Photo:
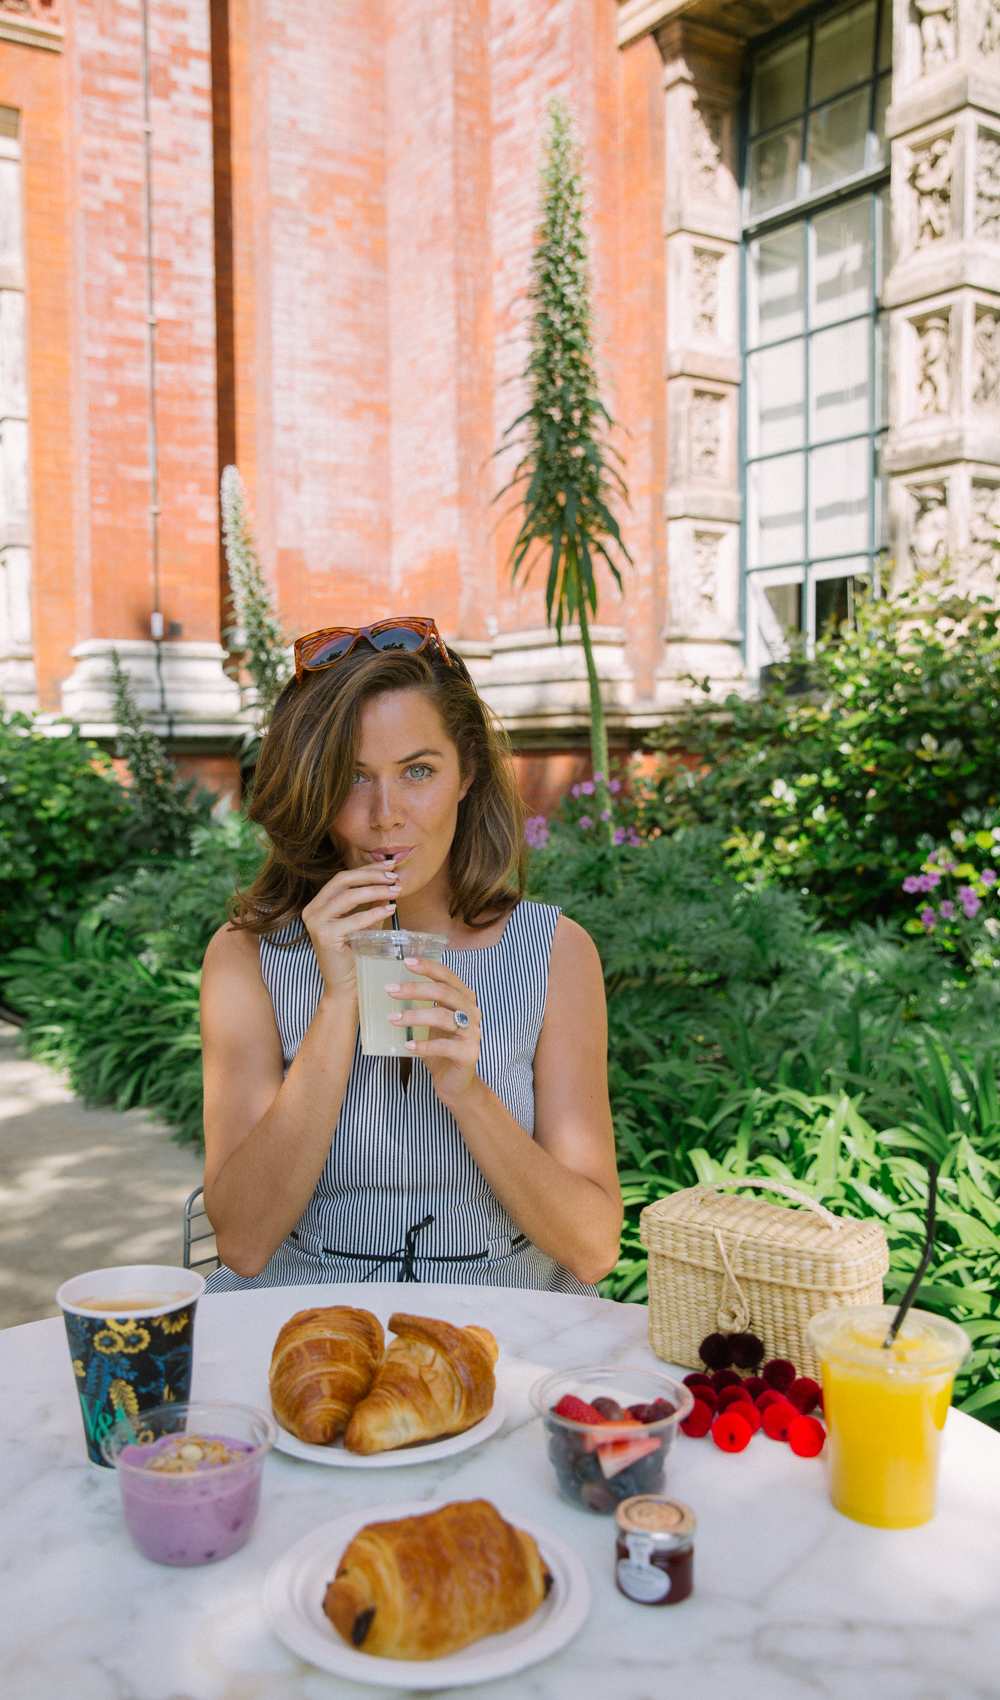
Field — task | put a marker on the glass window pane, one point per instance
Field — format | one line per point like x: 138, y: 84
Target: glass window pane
x: 840, y: 486
x: 779, y: 84
x: 881, y: 497
x: 838, y: 136
x: 776, y: 612
x: 842, y: 263
x: 776, y: 399
x: 879, y: 146
x: 885, y: 36
x: 776, y: 279
x: 774, y: 168
x: 835, y: 598
x: 776, y: 490
x: 844, y: 51
x: 839, y: 381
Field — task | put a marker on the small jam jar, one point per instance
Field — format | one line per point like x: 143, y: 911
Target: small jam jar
x: 654, y: 1549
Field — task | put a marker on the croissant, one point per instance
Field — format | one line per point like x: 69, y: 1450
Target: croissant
x: 434, y: 1380
x: 425, y: 1586
x: 323, y: 1362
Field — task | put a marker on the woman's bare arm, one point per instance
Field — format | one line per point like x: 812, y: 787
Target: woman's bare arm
x: 562, y: 1186
x: 266, y: 1138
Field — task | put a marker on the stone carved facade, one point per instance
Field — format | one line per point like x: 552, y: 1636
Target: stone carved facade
x: 933, y: 365
x: 988, y: 186
x: 38, y: 11
x: 930, y: 175
x: 989, y: 30
x: 984, y: 529
x: 929, y: 528
x: 705, y: 576
x: 936, y: 21
x: 986, y: 360
x: 706, y: 264
x: 706, y: 434
x: 706, y: 145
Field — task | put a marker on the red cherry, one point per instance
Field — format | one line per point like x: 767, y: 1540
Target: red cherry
x: 770, y: 1396
x: 731, y: 1431
x: 779, y: 1373
x: 733, y: 1396
x: 726, y: 1378
x: 806, y: 1437
x: 698, y: 1420
x: 804, y: 1394
x: 755, y: 1384
x: 778, y: 1418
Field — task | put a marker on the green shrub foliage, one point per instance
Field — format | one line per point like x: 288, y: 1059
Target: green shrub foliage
x: 830, y: 778
x: 63, y: 815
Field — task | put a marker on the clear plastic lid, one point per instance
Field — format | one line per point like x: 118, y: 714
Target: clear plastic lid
x: 925, y: 1345
x: 397, y: 944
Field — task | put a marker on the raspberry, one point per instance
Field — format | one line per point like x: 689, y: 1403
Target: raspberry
x: 714, y: 1351
x: 731, y: 1431
x: 806, y: 1437
x: 726, y: 1378
x: 698, y: 1420
x: 778, y: 1419
x: 576, y: 1410
x: 779, y: 1373
x: 755, y: 1384
x: 733, y: 1396
x: 804, y: 1394
x: 746, y: 1351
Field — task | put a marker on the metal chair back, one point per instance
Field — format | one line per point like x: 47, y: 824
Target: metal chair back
x: 197, y: 1230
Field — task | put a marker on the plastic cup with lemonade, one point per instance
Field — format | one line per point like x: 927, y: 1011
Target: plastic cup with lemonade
x: 885, y: 1409
x: 379, y: 961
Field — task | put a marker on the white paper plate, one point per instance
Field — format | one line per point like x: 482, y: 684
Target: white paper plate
x: 423, y: 1453
x: 296, y: 1584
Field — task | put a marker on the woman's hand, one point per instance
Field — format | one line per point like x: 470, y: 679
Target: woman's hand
x: 451, y: 1052
x: 354, y: 899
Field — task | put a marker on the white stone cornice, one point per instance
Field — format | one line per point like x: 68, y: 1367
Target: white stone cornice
x: 183, y: 692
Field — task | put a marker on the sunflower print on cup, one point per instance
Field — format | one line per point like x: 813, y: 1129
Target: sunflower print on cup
x: 123, y: 1366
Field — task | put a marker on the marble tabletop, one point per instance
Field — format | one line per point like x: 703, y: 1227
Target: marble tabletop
x: 791, y: 1601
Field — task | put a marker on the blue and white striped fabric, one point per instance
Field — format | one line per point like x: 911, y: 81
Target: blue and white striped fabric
x: 400, y: 1197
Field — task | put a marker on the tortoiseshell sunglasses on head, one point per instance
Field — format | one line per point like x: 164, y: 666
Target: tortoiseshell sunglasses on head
x: 317, y: 650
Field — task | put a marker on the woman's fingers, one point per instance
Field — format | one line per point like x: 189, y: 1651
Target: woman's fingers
x: 443, y: 1017
x: 449, y: 997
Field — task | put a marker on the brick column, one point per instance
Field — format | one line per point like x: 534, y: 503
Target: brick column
x: 17, y: 665
x: 702, y: 228
x: 943, y: 452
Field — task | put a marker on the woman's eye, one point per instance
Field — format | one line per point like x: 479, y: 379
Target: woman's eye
x: 359, y: 779
x: 419, y: 770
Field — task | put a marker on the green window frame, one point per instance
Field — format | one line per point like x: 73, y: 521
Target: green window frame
x: 813, y: 413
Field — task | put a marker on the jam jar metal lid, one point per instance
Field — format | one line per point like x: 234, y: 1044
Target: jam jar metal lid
x: 668, y: 1521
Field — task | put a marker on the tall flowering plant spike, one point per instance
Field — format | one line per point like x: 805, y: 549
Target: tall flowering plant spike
x: 565, y: 479
x: 258, y: 631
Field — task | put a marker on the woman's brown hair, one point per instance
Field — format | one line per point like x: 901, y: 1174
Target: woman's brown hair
x: 305, y: 771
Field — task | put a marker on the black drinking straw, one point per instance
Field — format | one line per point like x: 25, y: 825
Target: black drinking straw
x: 921, y: 1270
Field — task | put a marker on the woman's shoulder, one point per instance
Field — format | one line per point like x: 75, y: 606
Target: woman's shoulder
x: 233, y: 947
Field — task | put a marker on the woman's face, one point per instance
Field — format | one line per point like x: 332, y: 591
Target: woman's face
x: 406, y: 789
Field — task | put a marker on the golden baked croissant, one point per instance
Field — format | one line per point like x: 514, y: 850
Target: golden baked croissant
x: 424, y: 1586
x: 435, y: 1380
x: 323, y: 1362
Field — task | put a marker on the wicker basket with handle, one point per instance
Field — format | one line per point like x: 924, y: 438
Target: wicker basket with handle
x: 722, y: 1263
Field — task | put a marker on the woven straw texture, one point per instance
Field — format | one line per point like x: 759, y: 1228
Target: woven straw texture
x: 719, y: 1262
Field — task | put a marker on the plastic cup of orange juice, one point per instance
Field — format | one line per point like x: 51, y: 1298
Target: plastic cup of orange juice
x: 885, y: 1410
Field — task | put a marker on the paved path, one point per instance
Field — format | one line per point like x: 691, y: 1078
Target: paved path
x: 79, y: 1189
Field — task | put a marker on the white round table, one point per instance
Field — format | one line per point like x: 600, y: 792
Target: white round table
x: 791, y: 1601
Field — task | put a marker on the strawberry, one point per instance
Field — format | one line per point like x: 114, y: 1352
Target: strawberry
x: 619, y: 1454
x: 608, y: 1433
x: 576, y: 1410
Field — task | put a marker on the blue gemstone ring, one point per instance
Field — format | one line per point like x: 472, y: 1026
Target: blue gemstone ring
x: 461, y: 1019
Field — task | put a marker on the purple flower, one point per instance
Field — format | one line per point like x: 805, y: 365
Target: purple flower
x: 633, y: 837
x: 598, y: 778
x: 948, y: 867
x: 927, y: 918
x: 619, y: 835
x: 614, y: 786
x: 605, y: 814
x: 947, y: 909
x: 585, y: 822
x: 912, y: 883
x: 574, y: 790
x: 988, y: 876
x: 931, y: 879
x: 970, y: 903
x: 536, y: 831
x: 587, y: 788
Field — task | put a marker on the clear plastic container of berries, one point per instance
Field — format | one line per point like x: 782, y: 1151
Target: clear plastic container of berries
x: 608, y: 1431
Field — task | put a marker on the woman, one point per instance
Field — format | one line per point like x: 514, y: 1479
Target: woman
x: 387, y: 796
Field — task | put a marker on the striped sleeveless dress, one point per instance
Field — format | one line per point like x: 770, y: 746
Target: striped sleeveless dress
x: 400, y: 1197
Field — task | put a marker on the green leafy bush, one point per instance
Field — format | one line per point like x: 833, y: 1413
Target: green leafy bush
x: 63, y: 816
x: 829, y: 779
